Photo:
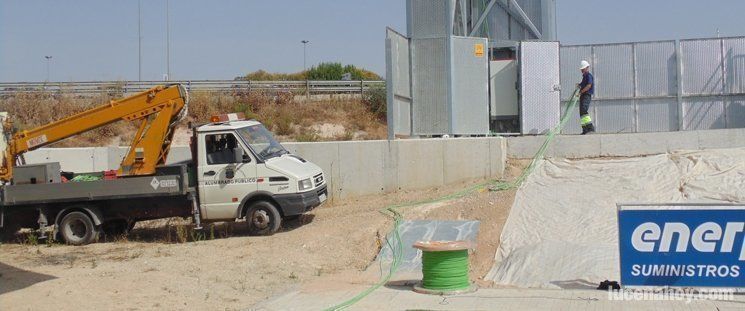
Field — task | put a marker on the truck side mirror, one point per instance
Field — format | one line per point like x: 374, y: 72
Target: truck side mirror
x: 238, y: 154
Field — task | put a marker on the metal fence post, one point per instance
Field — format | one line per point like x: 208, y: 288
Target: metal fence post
x: 679, y: 78
x: 636, y: 93
x: 724, y: 83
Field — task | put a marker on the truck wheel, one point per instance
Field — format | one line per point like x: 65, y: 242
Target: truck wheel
x: 263, y: 218
x: 77, y: 228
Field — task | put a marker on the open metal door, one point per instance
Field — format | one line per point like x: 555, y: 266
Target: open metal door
x: 540, y: 84
x: 398, y: 84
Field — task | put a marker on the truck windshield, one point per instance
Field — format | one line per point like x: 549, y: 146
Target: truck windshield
x: 261, y: 141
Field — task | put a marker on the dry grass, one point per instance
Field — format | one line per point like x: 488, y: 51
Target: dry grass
x: 288, y: 118
x: 29, y: 110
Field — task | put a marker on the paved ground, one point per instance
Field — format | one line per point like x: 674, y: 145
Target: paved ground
x: 402, y: 298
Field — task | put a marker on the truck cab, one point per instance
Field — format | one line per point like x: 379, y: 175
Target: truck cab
x: 242, y: 171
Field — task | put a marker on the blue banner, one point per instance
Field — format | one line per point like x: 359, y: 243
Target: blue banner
x: 692, y: 246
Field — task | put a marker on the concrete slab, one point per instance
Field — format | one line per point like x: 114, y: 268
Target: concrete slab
x: 625, y: 145
x: 420, y: 163
x: 401, y: 297
x: 179, y: 154
x: 497, y: 156
x: 390, y: 167
x: 640, y: 144
x: 466, y: 158
x: 353, y: 168
x: 524, y: 147
x: 70, y: 159
x: 575, y: 146
x: 325, y: 155
x: 718, y: 139
x: 361, y: 168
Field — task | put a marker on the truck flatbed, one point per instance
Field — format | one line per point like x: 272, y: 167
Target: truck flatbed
x: 168, y: 181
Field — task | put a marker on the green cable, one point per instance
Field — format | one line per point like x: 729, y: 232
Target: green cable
x: 445, y: 271
x: 395, y: 243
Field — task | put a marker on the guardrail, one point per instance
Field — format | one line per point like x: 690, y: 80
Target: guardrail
x: 93, y: 87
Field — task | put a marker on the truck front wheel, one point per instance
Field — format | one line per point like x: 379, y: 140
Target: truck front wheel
x: 77, y: 228
x: 263, y: 218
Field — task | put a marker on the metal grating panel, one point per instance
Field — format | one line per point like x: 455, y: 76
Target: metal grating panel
x: 572, y: 126
x: 399, y: 95
x: 571, y: 56
x: 734, y: 65
x: 470, y: 113
x: 613, y: 71
x: 498, y: 24
x: 428, y: 19
x: 539, y: 80
x: 402, y: 81
x: 703, y: 113
x: 657, y: 115
x: 532, y: 8
x: 702, y: 66
x: 517, y: 31
x: 429, y: 86
x: 656, y: 69
x: 614, y: 116
x: 736, y: 112
x: 403, y: 116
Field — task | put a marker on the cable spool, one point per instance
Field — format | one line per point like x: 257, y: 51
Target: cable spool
x: 444, y: 268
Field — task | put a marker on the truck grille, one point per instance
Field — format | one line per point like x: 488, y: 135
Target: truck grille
x: 318, y: 180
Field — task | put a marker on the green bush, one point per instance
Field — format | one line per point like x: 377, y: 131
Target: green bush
x: 335, y: 71
x: 324, y: 71
x: 375, y: 100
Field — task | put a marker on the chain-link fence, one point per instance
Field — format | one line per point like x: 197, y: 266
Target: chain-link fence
x: 661, y: 86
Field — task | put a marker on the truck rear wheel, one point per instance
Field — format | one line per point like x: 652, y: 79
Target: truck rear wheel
x: 263, y: 218
x: 77, y: 228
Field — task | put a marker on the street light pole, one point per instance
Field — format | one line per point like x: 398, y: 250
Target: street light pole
x: 168, y: 41
x: 139, y: 40
x: 305, y: 70
x: 49, y: 60
x: 305, y: 44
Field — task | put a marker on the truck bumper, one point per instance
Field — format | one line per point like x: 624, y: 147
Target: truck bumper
x: 299, y: 203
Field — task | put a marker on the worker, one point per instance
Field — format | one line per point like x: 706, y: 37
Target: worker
x: 586, y: 90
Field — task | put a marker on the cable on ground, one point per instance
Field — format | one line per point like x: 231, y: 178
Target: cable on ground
x: 395, y: 243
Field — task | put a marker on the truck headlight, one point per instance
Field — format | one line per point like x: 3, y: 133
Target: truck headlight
x: 305, y: 184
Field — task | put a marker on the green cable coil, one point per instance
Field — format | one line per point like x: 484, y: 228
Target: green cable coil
x: 446, y: 270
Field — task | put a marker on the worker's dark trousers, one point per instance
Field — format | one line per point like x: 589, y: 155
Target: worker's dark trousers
x: 584, y: 113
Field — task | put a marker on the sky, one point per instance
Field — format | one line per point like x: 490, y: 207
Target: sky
x: 221, y: 39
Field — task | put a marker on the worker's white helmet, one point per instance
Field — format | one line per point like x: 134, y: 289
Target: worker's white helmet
x: 584, y: 64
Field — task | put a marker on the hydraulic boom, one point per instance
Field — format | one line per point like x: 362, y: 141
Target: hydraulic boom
x: 158, y: 110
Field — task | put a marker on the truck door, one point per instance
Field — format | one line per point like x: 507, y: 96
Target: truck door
x: 227, y: 173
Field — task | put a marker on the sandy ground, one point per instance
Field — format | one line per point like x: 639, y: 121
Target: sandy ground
x: 149, y: 269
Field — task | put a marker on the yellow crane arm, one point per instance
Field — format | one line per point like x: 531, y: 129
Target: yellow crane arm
x: 158, y: 109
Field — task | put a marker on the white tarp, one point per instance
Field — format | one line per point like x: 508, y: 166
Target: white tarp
x: 562, y: 230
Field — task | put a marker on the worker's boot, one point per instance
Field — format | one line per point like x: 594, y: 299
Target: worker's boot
x: 587, y: 129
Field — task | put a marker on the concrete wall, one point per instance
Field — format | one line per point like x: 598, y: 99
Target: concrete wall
x: 353, y: 168
x: 625, y: 145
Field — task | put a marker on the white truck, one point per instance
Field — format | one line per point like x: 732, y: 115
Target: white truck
x: 237, y: 171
